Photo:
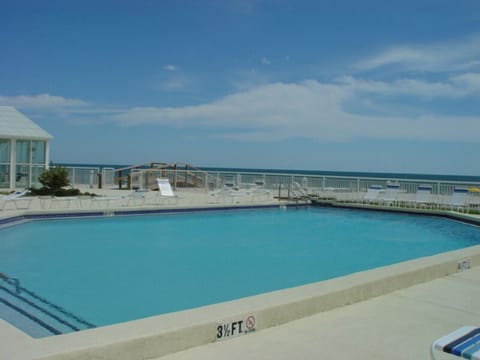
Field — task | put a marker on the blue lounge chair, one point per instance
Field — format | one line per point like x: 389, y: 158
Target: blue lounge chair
x: 463, y: 343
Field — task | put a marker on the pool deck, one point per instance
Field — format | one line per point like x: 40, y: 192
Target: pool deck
x: 401, y: 326
x: 394, y: 312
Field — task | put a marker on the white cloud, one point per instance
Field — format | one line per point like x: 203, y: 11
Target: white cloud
x: 265, y: 61
x: 469, y: 81
x: 170, y: 67
x: 307, y: 109
x: 455, y: 87
x: 442, y: 57
x: 41, y: 101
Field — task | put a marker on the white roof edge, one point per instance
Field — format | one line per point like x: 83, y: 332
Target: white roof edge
x: 15, y: 125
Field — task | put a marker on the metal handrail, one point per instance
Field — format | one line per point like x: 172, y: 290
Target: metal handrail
x: 22, y: 290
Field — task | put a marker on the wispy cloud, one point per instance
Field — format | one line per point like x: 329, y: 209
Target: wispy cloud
x: 265, y: 61
x: 171, y: 80
x: 170, y: 67
x: 453, y: 87
x: 469, y: 81
x: 41, y: 101
x: 458, y: 55
x: 345, y: 108
x: 308, y: 109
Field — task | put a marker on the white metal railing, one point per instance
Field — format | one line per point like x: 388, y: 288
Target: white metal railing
x: 211, y: 180
x: 83, y: 176
x: 108, y: 177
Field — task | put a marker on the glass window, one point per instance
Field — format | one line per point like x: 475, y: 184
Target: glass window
x: 22, y: 176
x: 36, y: 172
x: 38, y: 152
x: 23, y: 151
x: 4, y: 176
x: 4, y: 151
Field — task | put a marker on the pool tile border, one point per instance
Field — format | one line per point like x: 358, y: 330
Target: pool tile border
x: 20, y: 219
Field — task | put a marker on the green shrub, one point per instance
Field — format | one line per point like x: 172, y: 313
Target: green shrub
x: 54, y: 179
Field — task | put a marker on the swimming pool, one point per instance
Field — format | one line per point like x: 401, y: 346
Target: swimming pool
x: 110, y: 270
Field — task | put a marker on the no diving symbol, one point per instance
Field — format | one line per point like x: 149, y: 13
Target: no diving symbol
x: 250, y: 322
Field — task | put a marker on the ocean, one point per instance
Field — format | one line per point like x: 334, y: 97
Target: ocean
x: 382, y: 175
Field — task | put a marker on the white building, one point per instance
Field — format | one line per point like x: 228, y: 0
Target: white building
x: 24, y: 150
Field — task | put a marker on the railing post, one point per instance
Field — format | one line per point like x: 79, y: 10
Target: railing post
x: 120, y: 179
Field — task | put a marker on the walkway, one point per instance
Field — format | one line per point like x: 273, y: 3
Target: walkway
x: 400, y: 326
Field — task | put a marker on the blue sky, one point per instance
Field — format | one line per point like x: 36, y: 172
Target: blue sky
x: 385, y: 86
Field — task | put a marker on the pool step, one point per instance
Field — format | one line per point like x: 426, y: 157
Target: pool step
x: 34, y: 314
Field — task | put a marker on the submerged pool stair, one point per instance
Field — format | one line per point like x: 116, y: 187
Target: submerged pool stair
x: 33, y: 313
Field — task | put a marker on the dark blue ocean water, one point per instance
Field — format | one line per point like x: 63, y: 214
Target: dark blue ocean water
x: 399, y: 176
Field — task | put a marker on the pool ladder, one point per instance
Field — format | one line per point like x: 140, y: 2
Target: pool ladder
x: 49, y: 316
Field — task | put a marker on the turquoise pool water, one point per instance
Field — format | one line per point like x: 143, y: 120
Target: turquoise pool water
x: 110, y: 270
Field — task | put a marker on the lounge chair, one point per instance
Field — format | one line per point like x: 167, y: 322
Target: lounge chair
x: 165, y: 190
x: 259, y: 192
x: 164, y: 187
x: 372, y: 195
x: 63, y: 201
x: 423, y: 195
x: 229, y: 194
x: 390, y: 196
x: 108, y: 202
x: 15, y: 198
x: 463, y: 343
x: 459, y: 199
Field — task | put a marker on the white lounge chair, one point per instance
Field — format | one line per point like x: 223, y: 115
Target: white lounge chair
x: 463, y: 343
x: 63, y: 201
x: 16, y: 198
x: 423, y: 195
x: 229, y: 194
x: 390, y: 196
x: 372, y: 195
x: 165, y: 189
x: 107, y: 202
x: 259, y: 192
x: 459, y: 199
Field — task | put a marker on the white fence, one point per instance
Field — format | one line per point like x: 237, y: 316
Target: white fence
x: 280, y: 182
x: 83, y: 176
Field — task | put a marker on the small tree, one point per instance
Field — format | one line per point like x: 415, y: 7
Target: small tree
x: 54, y: 178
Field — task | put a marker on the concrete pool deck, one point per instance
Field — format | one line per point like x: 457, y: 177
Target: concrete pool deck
x: 396, y: 311
x: 399, y: 326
